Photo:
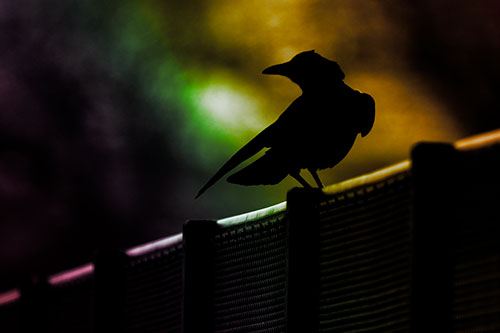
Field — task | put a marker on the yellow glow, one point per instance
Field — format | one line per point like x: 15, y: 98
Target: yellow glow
x: 407, y: 112
x: 373, y: 56
x: 266, y: 26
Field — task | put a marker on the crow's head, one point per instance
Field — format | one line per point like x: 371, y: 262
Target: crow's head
x: 307, y: 68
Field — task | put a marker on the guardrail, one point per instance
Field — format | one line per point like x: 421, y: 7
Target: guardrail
x: 409, y: 248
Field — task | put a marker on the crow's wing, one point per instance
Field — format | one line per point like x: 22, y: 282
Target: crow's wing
x: 366, y: 108
x: 262, y: 140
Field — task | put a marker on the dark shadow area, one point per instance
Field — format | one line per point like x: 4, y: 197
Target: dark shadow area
x: 82, y: 165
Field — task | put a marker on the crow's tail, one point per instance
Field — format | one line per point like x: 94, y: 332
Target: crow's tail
x: 247, y: 151
x: 267, y: 170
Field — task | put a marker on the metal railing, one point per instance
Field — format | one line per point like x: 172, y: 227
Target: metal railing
x: 409, y: 248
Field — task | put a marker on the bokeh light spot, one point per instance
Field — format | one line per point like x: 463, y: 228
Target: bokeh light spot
x: 230, y: 108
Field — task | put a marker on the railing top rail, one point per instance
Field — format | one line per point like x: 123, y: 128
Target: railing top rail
x: 154, y: 245
x: 370, y: 178
x: 252, y: 216
x: 478, y: 141
x: 71, y: 274
x: 9, y: 296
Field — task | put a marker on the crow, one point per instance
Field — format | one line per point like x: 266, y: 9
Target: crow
x: 315, y: 132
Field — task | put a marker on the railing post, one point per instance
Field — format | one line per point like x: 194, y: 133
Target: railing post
x: 433, y: 166
x: 198, y: 237
x: 303, y: 260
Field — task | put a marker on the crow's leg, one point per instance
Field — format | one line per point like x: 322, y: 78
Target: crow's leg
x: 301, y: 180
x: 316, y: 178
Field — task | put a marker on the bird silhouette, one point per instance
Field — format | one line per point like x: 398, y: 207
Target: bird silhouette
x: 315, y: 132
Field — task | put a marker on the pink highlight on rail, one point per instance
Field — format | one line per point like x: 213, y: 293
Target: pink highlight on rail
x: 71, y: 274
x: 154, y: 245
x: 9, y: 296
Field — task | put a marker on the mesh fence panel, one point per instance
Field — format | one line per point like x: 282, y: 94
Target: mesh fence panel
x: 10, y: 317
x: 153, y: 291
x: 70, y: 305
x: 250, y: 275
x: 476, y: 302
x: 365, y: 258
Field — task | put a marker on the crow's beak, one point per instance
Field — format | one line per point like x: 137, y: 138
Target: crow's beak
x: 281, y: 69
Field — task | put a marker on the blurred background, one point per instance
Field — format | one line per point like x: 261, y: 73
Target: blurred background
x: 114, y: 113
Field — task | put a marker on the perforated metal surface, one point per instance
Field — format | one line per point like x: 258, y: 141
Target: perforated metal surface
x: 250, y: 275
x: 70, y: 305
x: 153, y: 291
x: 365, y: 258
x: 476, y: 292
x: 10, y: 317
